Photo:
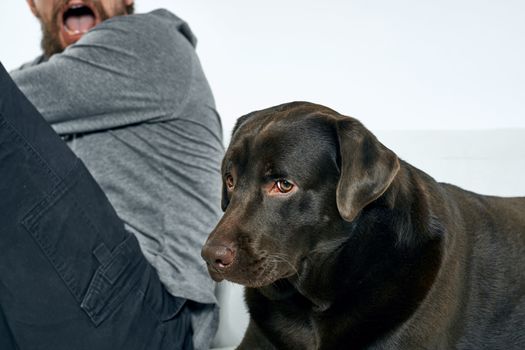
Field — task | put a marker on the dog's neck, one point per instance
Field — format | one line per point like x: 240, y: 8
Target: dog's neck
x: 307, y: 284
x: 279, y: 290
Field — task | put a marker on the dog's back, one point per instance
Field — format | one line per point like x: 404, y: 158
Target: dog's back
x: 494, y: 261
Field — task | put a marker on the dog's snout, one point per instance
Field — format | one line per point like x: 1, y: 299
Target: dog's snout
x: 218, y: 256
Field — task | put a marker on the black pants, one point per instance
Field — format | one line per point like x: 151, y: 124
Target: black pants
x: 71, y: 277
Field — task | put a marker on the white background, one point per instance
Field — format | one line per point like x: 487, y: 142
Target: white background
x: 441, y: 82
x: 440, y: 64
x: 395, y: 65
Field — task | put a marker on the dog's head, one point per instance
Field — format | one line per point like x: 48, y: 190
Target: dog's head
x: 293, y: 176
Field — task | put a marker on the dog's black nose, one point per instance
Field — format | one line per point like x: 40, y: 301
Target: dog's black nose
x: 219, y: 256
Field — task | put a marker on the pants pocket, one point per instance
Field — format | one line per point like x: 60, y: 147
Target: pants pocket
x: 120, y: 272
x: 85, y: 241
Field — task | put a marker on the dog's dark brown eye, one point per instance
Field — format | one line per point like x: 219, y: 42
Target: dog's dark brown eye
x: 284, y: 186
x: 229, y: 181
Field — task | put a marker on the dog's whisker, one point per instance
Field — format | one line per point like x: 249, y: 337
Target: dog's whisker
x: 281, y: 258
x: 330, y: 246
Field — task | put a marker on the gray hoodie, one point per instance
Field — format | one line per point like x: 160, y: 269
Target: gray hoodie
x: 131, y: 100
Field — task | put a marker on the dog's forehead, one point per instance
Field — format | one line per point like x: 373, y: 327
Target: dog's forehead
x: 291, y: 137
x: 287, y: 121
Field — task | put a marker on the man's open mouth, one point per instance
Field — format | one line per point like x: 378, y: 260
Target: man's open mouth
x: 78, y: 18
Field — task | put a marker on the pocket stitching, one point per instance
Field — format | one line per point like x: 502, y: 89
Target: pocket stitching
x: 27, y: 146
x: 98, y: 311
x: 31, y: 219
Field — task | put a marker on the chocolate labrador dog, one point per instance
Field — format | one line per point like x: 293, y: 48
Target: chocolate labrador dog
x: 342, y: 245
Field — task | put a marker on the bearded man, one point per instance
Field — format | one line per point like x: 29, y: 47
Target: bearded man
x: 111, y: 262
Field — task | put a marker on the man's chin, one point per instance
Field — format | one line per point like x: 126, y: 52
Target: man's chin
x: 68, y: 25
x: 68, y: 38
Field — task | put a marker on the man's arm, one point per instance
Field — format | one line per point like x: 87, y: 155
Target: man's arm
x: 127, y: 70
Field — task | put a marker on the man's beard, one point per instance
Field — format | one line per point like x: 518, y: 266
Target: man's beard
x: 51, y: 43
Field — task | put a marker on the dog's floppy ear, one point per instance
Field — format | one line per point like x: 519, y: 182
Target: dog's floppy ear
x: 367, y: 168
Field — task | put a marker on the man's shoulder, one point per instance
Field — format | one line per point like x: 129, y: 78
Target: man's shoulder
x: 154, y: 45
x: 155, y: 24
x: 31, y: 63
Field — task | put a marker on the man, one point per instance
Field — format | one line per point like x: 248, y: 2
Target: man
x: 127, y: 94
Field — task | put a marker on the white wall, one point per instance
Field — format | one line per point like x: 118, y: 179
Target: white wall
x: 416, y: 64
x: 409, y: 65
x: 484, y: 161
x: 453, y: 64
x: 406, y: 64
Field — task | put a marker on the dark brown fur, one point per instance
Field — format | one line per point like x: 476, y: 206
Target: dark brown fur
x: 367, y: 252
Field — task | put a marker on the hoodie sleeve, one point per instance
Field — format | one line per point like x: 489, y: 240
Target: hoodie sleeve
x: 126, y: 70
